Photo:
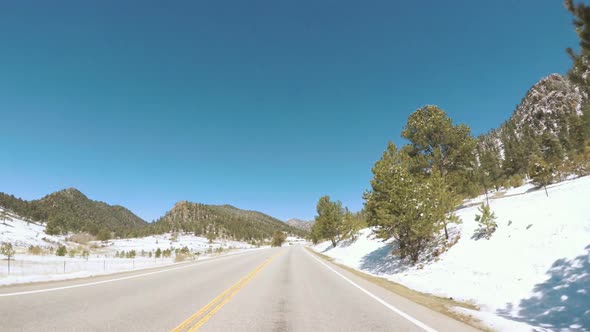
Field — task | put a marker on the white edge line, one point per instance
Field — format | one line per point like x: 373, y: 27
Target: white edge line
x: 122, y: 278
x: 374, y: 297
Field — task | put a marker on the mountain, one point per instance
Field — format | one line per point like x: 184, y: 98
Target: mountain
x: 221, y: 221
x: 69, y: 210
x: 550, y: 122
x: 301, y: 224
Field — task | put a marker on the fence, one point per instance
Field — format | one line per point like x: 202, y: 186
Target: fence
x: 52, y: 265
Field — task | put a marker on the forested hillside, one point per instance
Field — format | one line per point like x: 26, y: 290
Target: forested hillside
x: 416, y: 188
x: 550, y: 125
x: 216, y: 221
x: 71, y: 211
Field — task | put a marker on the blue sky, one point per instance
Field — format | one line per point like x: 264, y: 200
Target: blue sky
x: 265, y: 105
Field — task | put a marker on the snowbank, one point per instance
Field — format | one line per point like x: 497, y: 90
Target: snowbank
x: 535, y: 269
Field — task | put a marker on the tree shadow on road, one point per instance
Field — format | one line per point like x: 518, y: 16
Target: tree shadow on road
x: 562, y: 303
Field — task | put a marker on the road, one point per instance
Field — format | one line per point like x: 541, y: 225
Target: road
x: 279, y: 289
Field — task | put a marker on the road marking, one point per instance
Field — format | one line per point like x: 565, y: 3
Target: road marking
x: 205, y: 313
x: 122, y: 278
x: 374, y: 297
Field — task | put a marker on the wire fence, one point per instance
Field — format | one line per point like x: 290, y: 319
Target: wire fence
x: 25, y: 266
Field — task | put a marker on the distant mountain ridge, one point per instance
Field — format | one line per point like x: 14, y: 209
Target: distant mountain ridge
x: 301, y: 224
x: 69, y: 210
x: 221, y: 221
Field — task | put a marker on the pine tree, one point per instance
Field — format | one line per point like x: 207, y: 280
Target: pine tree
x: 486, y: 220
x: 4, y: 216
x: 552, y: 150
x: 581, y: 62
x: 278, y: 239
x: 445, y: 202
x: 7, y: 250
x: 329, y: 219
x: 158, y: 253
x: 401, y: 204
x: 541, y: 173
x: 352, y: 223
x: 436, y: 143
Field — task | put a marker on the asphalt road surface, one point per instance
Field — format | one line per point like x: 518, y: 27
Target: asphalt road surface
x: 279, y: 289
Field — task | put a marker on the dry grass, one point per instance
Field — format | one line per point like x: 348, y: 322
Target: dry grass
x: 436, y: 303
x: 81, y: 238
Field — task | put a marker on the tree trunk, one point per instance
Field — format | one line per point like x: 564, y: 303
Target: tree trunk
x: 446, y: 232
x: 333, y: 242
x: 546, y: 193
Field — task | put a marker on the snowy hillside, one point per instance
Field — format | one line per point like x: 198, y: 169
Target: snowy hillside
x: 535, y: 269
x: 36, y: 259
x: 22, y: 233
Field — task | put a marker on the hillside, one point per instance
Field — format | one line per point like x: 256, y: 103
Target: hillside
x: 221, y: 221
x: 301, y: 224
x: 69, y: 210
x: 536, y: 263
x: 551, y: 122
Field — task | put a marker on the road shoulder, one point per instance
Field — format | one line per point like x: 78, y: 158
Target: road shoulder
x: 438, y: 304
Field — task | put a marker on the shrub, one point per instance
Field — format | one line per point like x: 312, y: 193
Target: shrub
x: 278, y: 239
x: 35, y: 250
x: 131, y: 254
x: 158, y: 253
x: 61, y: 251
x: 515, y: 181
x: 81, y: 238
x: 180, y: 258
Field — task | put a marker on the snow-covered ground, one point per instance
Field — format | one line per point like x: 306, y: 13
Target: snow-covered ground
x: 103, y: 257
x: 534, y: 272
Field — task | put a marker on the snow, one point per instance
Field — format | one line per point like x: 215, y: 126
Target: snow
x: 29, y: 268
x: 534, y: 271
x: 26, y: 267
x: 19, y: 232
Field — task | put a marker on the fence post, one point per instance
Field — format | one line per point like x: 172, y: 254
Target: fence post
x: 8, y: 265
x: 64, y: 267
x: 104, y: 265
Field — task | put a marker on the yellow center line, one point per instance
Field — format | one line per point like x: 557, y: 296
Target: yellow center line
x: 217, y: 303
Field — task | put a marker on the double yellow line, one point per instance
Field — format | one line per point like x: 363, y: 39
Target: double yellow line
x: 198, y: 319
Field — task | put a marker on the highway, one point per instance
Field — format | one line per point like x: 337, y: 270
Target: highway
x: 278, y: 289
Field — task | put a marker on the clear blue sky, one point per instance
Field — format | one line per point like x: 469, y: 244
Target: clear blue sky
x: 265, y: 105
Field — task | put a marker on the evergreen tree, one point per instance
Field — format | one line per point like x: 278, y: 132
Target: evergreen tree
x: 278, y: 239
x: 551, y: 148
x: 435, y: 143
x: 581, y: 62
x: 158, y: 253
x: 329, y: 219
x: 7, y: 250
x: 541, y: 173
x: 61, y: 251
x: 352, y: 223
x: 445, y: 200
x: 4, y: 216
x: 401, y: 204
x: 486, y: 220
